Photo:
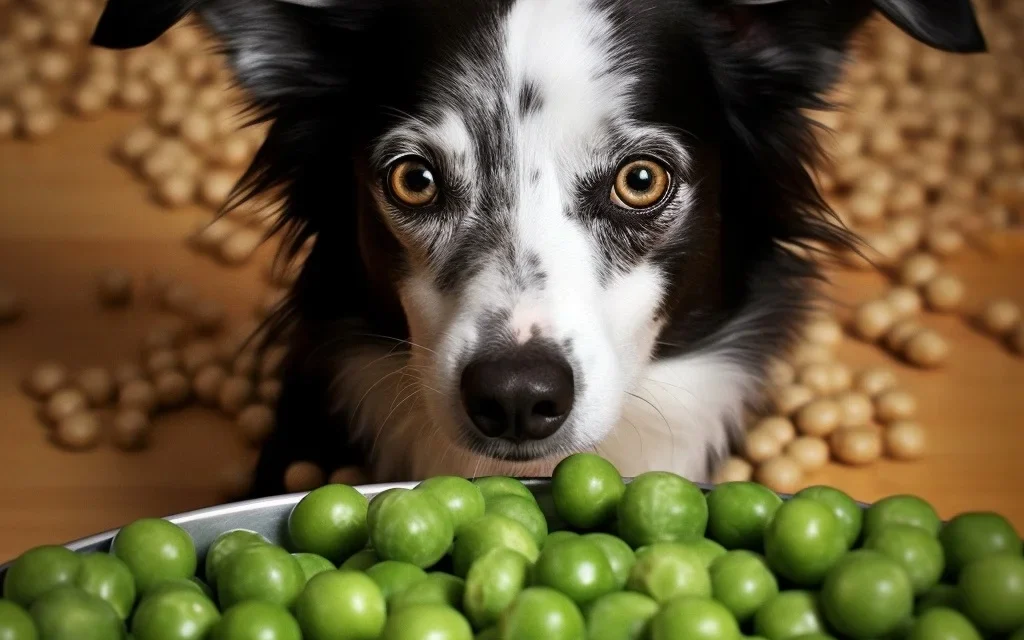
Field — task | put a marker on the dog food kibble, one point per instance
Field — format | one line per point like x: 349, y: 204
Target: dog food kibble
x: 926, y: 349
x: 734, y: 470
x: 78, y: 431
x: 782, y: 474
x: 872, y: 320
x: 817, y: 377
x: 46, y: 379
x: 162, y: 360
x: 207, y: 384
x: 895, y: 405
x: 944, y: 293
x: 97, y: 384
x: 904, y: 440
x: 944, y: 242
x: 918, y: 269
x: 245, y: 364
x: 234, y: 395
x: 778, y: 427
x: 855, y: 409
x: 136, y: 144
x: 901, y: 333
x: 303, y: 476
x: 761, y: 445
x: 780, y: 373
x: 875, y: 381
x: 10, y: 306
x: 790, y: 398
x: 114, y: 288
x: 239, y: 246
x: 256, y: 422
x: 172, y: 388
x: 810, y: 453
x: 818, y: 418
x: 904, y: 302
x: 179, y: 298
x: 196, y: 355
x: 129, y: 430
x: 64, y: 403
x: 856, y: 445
x: 824, y: 331
x: 127, y: 372
x: 999, y: 317
x: 138, y: 394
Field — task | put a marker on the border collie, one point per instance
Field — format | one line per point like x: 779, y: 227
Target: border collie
x: 538, y: 226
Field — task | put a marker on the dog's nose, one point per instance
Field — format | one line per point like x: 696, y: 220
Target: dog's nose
x: 523, y: 395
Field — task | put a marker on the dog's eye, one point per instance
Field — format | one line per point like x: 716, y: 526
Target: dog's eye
x: 412, y: 183
x: 640, y: 184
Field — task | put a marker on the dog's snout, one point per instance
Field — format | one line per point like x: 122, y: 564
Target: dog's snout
x: 522, y: 395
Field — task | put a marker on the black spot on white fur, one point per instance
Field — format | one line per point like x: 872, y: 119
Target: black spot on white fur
x: 529, y: 99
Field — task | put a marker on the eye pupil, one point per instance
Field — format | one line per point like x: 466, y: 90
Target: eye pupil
x: 640, y: 179
x: 418, y: 180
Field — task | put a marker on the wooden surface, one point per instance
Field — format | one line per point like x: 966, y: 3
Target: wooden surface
x: 67, y: 211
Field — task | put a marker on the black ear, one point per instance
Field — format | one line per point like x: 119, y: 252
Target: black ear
x: 279, y: 49
x: 948, y: 25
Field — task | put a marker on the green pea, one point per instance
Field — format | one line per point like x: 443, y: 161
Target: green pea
x: 494, y: 633
x: 620, y: 557
x: 260, y: 572
x: 491, y: 532
x: 155, y: 550
x: 789, y: 614
x: 493, y: 582
x: 972, y: 536
x: 742, y: 582
x: 106, y: 576
x: 491, y: 486
x: 257, y: 620
x: 576, y: 567
x: 436, y: 588
x: 558, y: 536
x: 739, y: 513
x: 694, y: 618
x: 661, y: 507
x: 586, y: 489
x: 804, y: 541
x: 38, y: 571
x: 943, y: 624
x: 312, y: 564
x: 867, y: 595
x: 524, y: 511
x: 413, y: 527
x: 620, y: 616
x: 68, y: 613
x: 330, y: 522
x: 992, y: 592
x: 174, y: 615
x: 377, y: 502
x: 665, y: 570
x: 916, y: 550
x: 178, y: 584
x: 541, y: 613
x: 223, y: 546
x: 463, y: 499
x: 341, y: 605
x: 844, y: 508
x: 708, y: 550
x: 15, y: 623
x: 427, y: 622
x: 394, y: 577
x: 901, y: 509
x: 361, y: 561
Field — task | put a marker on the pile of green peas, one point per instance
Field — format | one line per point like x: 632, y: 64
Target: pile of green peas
x: 597, y: 559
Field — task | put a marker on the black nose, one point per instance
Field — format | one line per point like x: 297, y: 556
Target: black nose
x: 523, y: 395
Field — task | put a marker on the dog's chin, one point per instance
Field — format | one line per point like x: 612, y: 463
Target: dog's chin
x: 507, y: 450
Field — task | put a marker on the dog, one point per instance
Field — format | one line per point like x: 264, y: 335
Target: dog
x: 537, y: 226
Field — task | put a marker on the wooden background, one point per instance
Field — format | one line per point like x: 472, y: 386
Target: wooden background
x: 67, y: 211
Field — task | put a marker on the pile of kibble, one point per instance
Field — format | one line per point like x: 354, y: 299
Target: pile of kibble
x: 928, y: 153
x: 593, y: 559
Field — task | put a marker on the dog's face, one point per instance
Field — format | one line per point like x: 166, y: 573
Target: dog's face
x: 541, y: 205
x: 552, y: 192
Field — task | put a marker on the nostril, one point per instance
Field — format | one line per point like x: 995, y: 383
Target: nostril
x: 546, y: 409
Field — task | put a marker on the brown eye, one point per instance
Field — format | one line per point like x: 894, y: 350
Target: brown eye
x: 640, y: 184
x: 412, y: 183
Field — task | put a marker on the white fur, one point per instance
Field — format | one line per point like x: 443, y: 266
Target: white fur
x: 641, y: 416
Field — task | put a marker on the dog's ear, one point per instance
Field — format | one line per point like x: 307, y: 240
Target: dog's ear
x: 277, y: 48
x: 948, y: 25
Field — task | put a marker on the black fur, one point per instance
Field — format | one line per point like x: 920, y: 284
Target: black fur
x: 732, y: 76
